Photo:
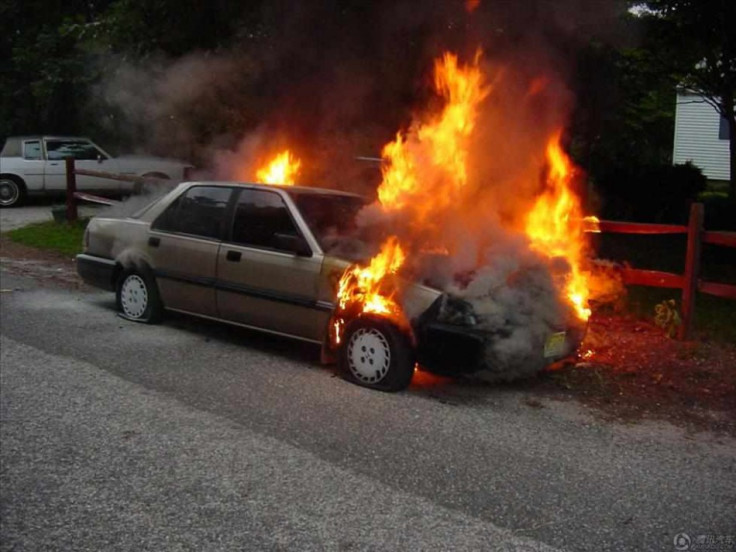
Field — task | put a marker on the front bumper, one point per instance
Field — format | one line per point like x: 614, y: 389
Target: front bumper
x: 449, y: 348
x: 96, y: 271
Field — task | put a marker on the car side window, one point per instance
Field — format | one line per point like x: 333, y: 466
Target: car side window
x: 32, y: 150
x: 199, y: 211
x: 79, y: 149
x: 259, y: 216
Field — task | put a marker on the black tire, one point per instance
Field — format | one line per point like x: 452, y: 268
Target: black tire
x: 376, y: 354
x: 12, y: 191
x: 137, y: 297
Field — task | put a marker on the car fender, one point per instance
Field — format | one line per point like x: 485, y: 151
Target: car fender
x: 30, y: 176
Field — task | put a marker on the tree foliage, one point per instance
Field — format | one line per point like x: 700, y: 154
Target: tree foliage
x: 56, y: 57
x: 695, y: 41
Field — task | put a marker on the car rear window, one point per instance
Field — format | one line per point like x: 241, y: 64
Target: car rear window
x: 32, y: 150
x: 200, y: 211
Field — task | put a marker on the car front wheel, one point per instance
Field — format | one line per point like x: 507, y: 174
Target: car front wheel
x: 138, y: 298
x: 376, y: 354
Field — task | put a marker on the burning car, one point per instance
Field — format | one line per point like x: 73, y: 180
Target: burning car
x: 263, y: 257
x: 472, y: 258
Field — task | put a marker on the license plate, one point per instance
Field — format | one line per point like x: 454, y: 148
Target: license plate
x: 555, y: 345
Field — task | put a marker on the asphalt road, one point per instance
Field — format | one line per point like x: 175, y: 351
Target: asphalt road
x: 196, y: 436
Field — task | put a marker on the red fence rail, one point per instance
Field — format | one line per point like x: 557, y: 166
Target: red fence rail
x: 690, y: 281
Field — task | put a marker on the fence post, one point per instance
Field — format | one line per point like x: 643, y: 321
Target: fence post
x: 692, y: 269
x: 71, y: 189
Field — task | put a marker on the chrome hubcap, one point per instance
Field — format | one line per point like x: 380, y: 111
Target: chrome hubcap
x: 134, y: 296
x: 369, y: 355
x: 8, y: 192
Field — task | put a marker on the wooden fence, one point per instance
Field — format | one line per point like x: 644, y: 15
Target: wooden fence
x: 690, y: 281
x: 73, y: 196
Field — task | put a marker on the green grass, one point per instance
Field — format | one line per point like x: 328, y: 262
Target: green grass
x: 63, y: 238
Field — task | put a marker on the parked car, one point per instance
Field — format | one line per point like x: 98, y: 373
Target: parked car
x: 34, y: 165
x: 257, y: 256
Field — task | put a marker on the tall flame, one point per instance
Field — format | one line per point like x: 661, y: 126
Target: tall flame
x: 442, y: 142
x: 556, y: 226
x: 282, y: 169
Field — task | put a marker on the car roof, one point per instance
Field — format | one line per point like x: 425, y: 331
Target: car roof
x: 296, y: 189
x: 46, y: 137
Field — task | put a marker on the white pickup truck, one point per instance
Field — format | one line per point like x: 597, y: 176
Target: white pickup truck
x: 34, y: 165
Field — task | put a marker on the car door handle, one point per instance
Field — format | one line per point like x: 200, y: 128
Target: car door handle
x: 154, y: 242
x: 233, y: 256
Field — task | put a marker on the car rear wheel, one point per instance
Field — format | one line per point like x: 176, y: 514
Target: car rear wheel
x: 12, y: 192
x: 376, y: 354
x: 138, y: 298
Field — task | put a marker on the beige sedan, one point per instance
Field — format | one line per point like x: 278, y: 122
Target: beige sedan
x: 256, y: 256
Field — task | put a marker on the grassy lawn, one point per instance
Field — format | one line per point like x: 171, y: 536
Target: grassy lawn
x: 63, y: 238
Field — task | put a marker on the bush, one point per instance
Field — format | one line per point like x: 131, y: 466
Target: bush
x: 654, y: 193
x: 720, y: 213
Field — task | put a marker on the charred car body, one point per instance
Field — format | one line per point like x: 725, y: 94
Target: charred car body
x: 258, y: 256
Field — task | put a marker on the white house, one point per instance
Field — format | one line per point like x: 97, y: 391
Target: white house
x: 701, y: 136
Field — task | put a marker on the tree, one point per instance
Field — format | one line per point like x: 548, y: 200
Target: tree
x: 45, y: 74
x: 695, y: 40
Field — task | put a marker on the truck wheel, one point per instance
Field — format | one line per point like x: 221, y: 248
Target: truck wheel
x: 12, y: 191
x: 376, y: 354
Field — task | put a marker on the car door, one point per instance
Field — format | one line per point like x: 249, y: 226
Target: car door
x: 183, y: 244
x: 260, y: 283
x: 87, y: 156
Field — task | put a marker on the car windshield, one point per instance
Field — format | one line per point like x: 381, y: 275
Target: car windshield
x: 330, y: 217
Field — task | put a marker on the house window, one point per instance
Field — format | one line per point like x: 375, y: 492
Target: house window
x: 723, y: 130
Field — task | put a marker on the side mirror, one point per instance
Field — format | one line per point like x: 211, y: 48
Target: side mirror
x: 295, y: 244
x: 100, y: 159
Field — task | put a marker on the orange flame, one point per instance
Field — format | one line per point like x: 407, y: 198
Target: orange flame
x: 442, y: 142
x: 471, y: 5
x: 592, y: 224
x: 426, y: 182
x: 555, y: 226
x: 282, y: 169
x: 363, y: 289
